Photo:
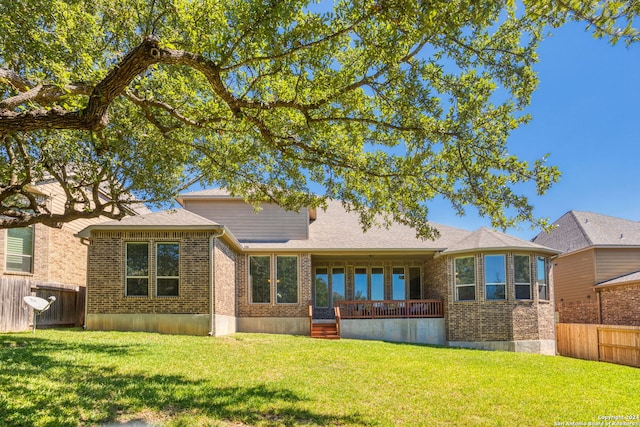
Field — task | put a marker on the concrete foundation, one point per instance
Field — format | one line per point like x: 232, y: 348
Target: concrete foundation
x: 178, y: 324
x: 412, y: 331
x: 274, y: 325
x: 224, y: 325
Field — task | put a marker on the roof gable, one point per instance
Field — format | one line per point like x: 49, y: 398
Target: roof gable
x: 173, y: 219
x: 485, y: 239
x: 577, y: 230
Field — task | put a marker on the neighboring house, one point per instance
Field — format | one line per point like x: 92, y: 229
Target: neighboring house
x: 216, y: 267
x: 597, y: 276
x: 42, y: 257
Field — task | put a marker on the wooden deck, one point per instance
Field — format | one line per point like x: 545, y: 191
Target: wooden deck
x: 390, y: 309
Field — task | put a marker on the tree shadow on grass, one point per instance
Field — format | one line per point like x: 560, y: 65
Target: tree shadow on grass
x: 40, y: 388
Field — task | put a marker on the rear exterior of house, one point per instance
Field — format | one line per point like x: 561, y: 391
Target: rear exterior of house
x: 218, y: 267
x: 596, y: 275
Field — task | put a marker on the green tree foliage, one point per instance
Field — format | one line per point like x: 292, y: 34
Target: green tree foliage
x: 383, y: 104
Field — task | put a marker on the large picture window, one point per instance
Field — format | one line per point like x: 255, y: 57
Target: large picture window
x: 522, y: 272
x: 330, y: 286
x: 377, y: 283
x: 322, y: 287
x: 543, y: 286
x: 465, y: 278
x: 337, y: 284
x: 167, y: 269
x: 398, y: 284
x: 287, y: 279
x: 260, y: 279
x: 415, y: 283
x: 360, y: 277
x: 137, y: 269
x: 20, y: 250
x: 495, y: 277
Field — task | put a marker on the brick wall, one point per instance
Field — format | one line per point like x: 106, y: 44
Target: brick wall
x: 501, y: 320
x: 621, y: 305
x: 67, y: 258
x: 272, y: 309
x: 106, y: 278
x: 585, y: 311
x: 58, y: 256
x: 224, y: 279
x: 435, y: 281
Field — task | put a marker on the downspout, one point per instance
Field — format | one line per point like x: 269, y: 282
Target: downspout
x: 87, y: 242
x: 212, y: 328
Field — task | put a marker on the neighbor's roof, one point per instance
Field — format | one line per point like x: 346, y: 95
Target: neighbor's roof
x: 487, y: 239
x: 173, y: 219
x: 577, y: 230
x: 622, y: 280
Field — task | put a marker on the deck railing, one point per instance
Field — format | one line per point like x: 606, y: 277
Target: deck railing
x: 390, y: 309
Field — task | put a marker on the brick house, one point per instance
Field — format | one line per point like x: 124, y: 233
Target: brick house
x: 216, y: 267
x: 597, y: 275
x: 41, y: 257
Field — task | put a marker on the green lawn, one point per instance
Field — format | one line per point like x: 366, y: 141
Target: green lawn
x: 71, y: 377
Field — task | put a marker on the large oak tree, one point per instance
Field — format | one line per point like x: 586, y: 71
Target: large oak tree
x: 383, y: 104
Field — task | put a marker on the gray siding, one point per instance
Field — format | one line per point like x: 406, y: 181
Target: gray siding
x: 271, y: 224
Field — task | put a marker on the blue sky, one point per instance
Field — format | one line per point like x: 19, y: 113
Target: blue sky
x: 586, y: 115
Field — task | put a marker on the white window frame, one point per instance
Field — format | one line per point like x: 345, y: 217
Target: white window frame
x: 502, y: 284
x: 21, y: 255
x: 522, y: 284
x: 457, y: 285
x: 545, y: 284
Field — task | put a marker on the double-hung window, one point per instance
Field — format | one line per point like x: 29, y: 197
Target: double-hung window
x: 20, y: 250
x: 465, y: 278
x: 167, y: 269
x: 495, y: 277
x: 543, y: 287
x: 522, y: 273
x: 137, y: 269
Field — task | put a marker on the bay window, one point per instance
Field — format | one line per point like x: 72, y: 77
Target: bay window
x: 495, y: 277
x: 465, y: 278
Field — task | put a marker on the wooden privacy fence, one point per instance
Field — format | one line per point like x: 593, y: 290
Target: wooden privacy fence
x: 605, y: 343
x: 16, y: 316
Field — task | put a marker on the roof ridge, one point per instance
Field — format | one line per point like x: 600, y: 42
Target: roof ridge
x: 580, y: 227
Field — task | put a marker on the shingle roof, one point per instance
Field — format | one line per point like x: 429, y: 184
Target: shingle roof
x: 627, y: 278
x: 577, y: 230
x: 173, y: 219
x: 487, y: 239
x: 337, y: 229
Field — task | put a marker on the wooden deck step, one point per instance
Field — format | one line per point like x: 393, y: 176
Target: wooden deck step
x: 327, y: 331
